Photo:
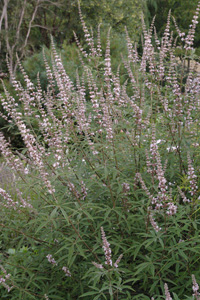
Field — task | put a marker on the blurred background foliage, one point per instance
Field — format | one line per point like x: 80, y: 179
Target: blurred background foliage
x: 60, y: 18
x: 181, y: 10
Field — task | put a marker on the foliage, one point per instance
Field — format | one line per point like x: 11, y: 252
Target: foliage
x: 70, y: 58
x: 181, y: 10
x: 109, y: 160
x: 26, y: 23
x: 17, y: 23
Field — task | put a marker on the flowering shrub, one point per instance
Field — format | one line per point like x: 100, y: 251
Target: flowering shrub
x: 112, y: 162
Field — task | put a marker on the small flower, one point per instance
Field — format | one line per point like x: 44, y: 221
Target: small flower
x: 99, y: 266
x: 126, y: 187
x: 185, y: 200
x: 51, y: 259
x: 192, y: 177
x: 171, y: 210
x: 67, y: 272
x: 107, y: 252
x: 4, y: 278
x: 195, y: 288
x: 106, y: 248
x: 118, y: 261
x: 167, y: 293
x: 154, y: 224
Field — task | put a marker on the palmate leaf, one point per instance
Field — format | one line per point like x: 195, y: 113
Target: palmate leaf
x: 89, y: 293
x: 81, y: 251
x: 70, y: 255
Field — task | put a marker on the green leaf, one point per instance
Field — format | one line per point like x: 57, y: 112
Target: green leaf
x: 71, y: 253
x: 54, y: 212
x: 81, y: 251
x: 64, y: 215
x: 89, y: 294
x: 141, y: 267
x: 110, y: 290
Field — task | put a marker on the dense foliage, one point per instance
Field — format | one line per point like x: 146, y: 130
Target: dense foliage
x: 103, y: 201
x: 181, y: 10
x: 25, y: 26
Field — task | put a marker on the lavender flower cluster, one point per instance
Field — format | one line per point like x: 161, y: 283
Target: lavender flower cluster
x: 4, y: 278
x: 107, y: 253
x: 52, y: 261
